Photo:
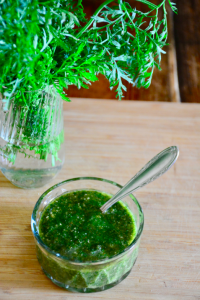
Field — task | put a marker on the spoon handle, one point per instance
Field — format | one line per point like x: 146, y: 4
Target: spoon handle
x: 156, y: 167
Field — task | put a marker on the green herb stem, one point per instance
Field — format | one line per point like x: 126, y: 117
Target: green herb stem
x: 92, y: 20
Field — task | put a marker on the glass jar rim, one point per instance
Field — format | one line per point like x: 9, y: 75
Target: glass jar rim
x: 102, y: 261
x: 42, y: 90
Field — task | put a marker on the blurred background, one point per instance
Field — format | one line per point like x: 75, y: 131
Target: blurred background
x: 179, y: 79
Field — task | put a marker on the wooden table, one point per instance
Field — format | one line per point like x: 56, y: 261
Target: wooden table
x: 114, y: 140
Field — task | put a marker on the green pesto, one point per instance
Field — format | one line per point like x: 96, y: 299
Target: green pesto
x: 73, y: 226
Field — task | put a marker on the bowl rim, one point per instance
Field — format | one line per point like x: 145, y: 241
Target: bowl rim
x: 102, y: 261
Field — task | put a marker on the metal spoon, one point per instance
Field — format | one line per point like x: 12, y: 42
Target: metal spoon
x: 156, y: 167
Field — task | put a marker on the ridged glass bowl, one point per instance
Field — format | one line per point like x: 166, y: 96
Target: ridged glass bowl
x: 91, y: 276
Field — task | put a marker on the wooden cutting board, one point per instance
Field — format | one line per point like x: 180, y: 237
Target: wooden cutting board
x: 114, y: 140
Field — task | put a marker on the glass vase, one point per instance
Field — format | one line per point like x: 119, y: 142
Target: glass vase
x: 31, y: 137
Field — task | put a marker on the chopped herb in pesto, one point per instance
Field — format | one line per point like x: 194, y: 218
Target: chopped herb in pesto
x: 73, y: 226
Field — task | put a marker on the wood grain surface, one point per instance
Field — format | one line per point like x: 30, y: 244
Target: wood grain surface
x: 114, y: 140
x: 187, y: 39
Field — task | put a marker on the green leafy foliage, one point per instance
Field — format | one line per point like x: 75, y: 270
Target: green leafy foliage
x: 42, y: 43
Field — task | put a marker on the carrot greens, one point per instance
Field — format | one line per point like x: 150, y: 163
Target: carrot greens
x: 50, y: 42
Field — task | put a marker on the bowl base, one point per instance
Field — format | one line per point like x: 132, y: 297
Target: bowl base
x: 86, y: 290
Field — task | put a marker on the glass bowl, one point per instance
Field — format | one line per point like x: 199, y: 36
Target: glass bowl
x: 91, y: 276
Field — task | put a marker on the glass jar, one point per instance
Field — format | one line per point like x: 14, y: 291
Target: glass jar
x: 91, y: 276
x: 31, y: 137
